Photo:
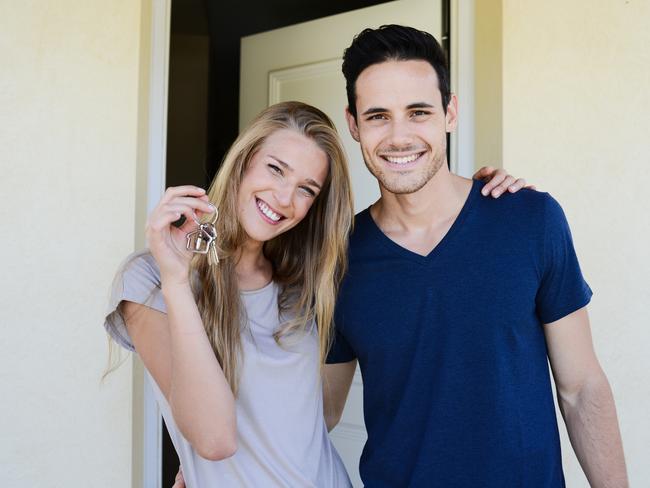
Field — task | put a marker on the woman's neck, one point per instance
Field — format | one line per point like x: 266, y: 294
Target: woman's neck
x: 253, y: 270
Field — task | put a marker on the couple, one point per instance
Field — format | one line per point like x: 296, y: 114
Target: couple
x: 451, y: 302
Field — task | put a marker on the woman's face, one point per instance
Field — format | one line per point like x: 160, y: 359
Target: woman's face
x: 280, y: 184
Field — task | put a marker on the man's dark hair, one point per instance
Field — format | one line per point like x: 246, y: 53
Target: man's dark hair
x: 393, y: 43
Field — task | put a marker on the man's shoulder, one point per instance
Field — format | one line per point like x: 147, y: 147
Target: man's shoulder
x: 362, y: 234
x: 529, y: 207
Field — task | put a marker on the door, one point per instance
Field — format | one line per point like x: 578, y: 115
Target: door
x: 303, y: 62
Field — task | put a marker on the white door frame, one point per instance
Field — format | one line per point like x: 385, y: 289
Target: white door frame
x: 462, y: 157
x: 151, y: 456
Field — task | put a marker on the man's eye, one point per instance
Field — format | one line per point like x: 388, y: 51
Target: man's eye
x: 376, y: 117
x: 419, y: 113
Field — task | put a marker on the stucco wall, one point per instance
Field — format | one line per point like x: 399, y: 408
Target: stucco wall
x: 68, y: 139
x: 576, y: 99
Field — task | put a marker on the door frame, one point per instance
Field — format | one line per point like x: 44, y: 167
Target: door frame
x: 148, y: 462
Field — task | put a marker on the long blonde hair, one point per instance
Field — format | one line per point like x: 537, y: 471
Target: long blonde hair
x: 308, y: 260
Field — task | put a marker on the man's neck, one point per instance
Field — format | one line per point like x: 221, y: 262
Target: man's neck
x: 435, y: 203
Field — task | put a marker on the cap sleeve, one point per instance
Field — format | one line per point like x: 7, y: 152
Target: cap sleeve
x: 137, y: 280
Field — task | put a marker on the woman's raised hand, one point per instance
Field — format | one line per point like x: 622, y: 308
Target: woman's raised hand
x: 166, y: 241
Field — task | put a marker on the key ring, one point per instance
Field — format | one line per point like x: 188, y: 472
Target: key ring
x: 203, y: 240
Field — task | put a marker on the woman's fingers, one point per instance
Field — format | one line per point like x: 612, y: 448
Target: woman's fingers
x: 483, y: 173
x: 200, y: 204
x: 496, y: 178
x: 166, y: 215
x: 181, y: 191
x: 517, y: 185
x: 502, y: 186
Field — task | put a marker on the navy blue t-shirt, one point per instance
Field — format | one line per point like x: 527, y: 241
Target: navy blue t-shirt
x: 451, y: 346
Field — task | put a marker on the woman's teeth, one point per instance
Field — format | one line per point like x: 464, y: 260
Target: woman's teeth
x: 267, y: 211
x: 403, y: 159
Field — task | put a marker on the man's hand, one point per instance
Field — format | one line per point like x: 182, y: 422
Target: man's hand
x: 498, y: 181
x: 179, y: 481
x: 337, y: 379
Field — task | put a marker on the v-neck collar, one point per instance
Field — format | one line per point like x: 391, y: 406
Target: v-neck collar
x: 391, y: 245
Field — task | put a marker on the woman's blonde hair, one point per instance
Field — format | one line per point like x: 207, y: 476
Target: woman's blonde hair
x: 308, y: 260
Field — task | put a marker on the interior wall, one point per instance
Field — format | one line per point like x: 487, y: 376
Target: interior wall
x: 69, y: 98
x: 575, y: 122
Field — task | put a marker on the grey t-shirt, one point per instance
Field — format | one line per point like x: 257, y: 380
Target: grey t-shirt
x: 282, y: 436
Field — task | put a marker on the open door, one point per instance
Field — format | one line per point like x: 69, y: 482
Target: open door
x: 303, y: 62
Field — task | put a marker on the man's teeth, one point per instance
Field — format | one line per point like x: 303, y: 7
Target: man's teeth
x: 402, y: 160
x: 267, y: 211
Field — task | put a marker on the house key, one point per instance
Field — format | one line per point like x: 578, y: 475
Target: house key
x: 202, y: 240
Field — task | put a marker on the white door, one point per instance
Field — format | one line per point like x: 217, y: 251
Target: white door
x: 303, y: 62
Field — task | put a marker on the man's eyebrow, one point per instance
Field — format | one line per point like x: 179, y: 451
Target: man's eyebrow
x: 375, y: 110
x: 309, y: 181
x: 380, y: 110
x: 419, y: 105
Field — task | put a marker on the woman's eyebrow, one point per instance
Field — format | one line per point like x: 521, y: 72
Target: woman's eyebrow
x: 288, y: 167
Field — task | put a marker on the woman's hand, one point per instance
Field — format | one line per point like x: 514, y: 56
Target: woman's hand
x: 498, y: 181
x: 167, y: 242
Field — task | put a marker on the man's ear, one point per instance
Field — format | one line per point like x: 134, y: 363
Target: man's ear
x: 352, y: 124
x: 451, y: 118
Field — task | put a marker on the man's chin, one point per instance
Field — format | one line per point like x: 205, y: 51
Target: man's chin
x: 402, y: 187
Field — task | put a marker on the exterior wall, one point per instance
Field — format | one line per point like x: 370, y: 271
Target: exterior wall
x: 575, y: 122
x: 69, y: 95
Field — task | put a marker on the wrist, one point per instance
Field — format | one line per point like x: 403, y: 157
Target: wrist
x: 171, y: 285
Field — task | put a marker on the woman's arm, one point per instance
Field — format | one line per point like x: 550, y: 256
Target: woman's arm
x: 176, y: 351
x: 174, y: 346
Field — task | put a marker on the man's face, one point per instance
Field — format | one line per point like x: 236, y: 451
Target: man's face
x: 401, y: 124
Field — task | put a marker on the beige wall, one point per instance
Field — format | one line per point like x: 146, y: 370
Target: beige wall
x: 576, y: 99
x: 69, y: 125
x: 488, y: 84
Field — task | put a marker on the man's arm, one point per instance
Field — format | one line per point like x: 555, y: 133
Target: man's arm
x: 586, y: 401
x: 337, y: 379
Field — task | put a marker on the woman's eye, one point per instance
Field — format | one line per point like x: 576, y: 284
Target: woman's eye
x: 308, y: 191
x: 275, y: 169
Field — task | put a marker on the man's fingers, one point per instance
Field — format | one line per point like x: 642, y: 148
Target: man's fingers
x: 179, y: 482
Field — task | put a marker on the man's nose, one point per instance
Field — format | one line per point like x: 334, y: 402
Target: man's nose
x: 400, y: 135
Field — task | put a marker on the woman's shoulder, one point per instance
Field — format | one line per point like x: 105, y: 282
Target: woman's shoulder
x: 137, y: 280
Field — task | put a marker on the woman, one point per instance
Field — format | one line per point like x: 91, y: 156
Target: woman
x: 235, y: 348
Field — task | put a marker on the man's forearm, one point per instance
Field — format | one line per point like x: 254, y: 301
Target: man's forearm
x: 590, y: 416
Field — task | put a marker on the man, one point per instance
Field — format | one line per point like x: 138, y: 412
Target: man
x: 453, y: 303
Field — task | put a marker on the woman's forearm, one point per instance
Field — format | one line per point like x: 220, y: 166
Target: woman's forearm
x: 201, y: 400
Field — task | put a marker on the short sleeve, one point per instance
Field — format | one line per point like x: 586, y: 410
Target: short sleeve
x: 341, y: 351
x: 563, y: 289
x: 137, y: 280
